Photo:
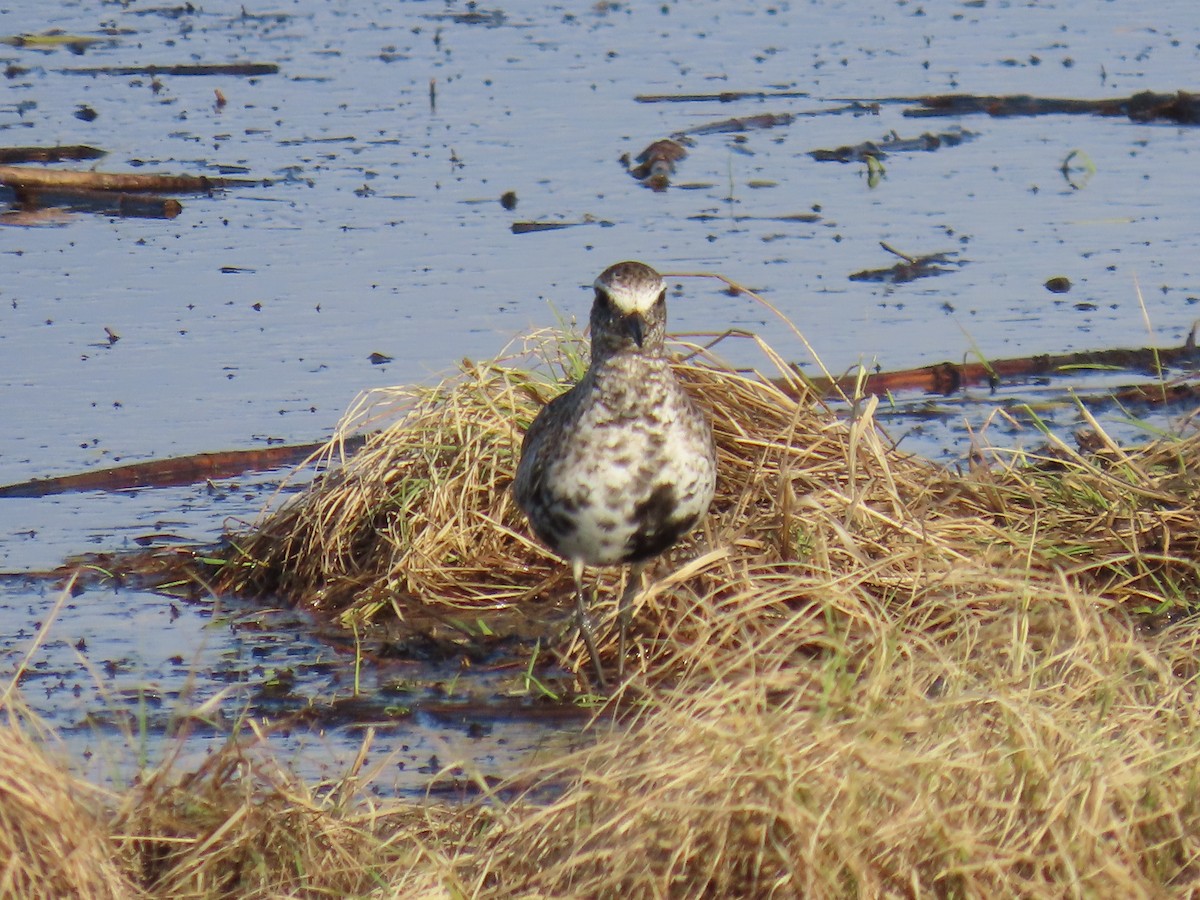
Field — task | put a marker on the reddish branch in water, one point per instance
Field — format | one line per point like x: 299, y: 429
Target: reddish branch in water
x: 48, y: 154
x: 174, y: 471
x: 948, y: 378
x: 1181, y: 107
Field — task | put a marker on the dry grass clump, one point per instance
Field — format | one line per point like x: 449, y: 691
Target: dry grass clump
x: 53, y: 839
x: 237, y: 826
x: 1046, y: 750
x: 423, y: 520
x: 421, y: 513
x: 240, y: 826
x: 865, y: 677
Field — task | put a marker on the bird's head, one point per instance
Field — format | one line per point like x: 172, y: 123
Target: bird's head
x: 630, y: 310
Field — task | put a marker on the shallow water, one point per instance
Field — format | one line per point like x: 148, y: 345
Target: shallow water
x: 251, y: 317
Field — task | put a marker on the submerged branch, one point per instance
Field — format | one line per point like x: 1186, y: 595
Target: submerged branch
x: 25, y: 177
x: 893, y: 143
x: 174, y: 471
x: 948, y: 378
x: 48, y: 154
x: 242, y: 69
x: 1182, y: 107
x: 112, y: 203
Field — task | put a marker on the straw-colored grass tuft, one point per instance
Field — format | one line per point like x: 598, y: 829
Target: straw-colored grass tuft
x: 422, y: 520
x: 240, y: 826
x: 53, y: 839
x: 864, y: 676
x: 1047, y: 752
x: 422, y: 513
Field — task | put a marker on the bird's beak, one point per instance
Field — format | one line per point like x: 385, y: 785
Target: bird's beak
x: 635, y: 324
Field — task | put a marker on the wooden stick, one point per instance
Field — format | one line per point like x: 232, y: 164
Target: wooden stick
x: 1182, y: 106
x: 23, y: 176
x: 174, y: 471
x: 247, y: 70
x: 115, y: 203
x: 48, y: 154
x: 949, y: 378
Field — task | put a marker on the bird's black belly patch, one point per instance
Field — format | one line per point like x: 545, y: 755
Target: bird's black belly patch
x: 656, y: 529
x: 552, y: 526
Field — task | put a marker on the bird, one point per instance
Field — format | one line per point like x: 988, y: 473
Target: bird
x: 622, y: 465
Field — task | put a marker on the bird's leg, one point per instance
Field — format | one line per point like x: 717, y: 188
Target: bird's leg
x: 585, y: 626
x: 623, y: 615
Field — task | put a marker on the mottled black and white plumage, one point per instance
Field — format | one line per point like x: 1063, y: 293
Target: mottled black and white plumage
x: 622, y: 465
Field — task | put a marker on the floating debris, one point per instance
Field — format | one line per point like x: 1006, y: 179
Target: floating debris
x: 531, y: 227
x: 248, y: 70
x: 723, y: 97
x: 108, y: 193
x: 909, y: 268
x: 743, y: 123
x: 656, y: 164
x: 893, y: 143
x: 10, y: 155
x: 1182, y: 107
x: 787, y: 217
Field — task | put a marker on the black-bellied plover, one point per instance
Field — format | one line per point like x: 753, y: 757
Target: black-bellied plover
x: 622, y: 465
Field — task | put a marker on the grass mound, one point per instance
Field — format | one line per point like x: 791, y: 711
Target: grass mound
x: 1044, y: 750
x: 242, y: 826
x: 53, y: 836
x: 421, y: 523
x: 864, y: 676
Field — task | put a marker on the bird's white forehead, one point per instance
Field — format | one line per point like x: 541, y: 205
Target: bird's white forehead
x: 631, y: 286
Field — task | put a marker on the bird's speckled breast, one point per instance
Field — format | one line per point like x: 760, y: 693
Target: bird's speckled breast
x: 636, y: 473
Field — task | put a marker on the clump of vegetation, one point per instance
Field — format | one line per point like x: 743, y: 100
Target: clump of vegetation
x: 421, y: 523
x: 423, y: 514
x: 1036, y: 744
x: 54, y: 837
x: 239, y: 825
x: 864, y: 676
